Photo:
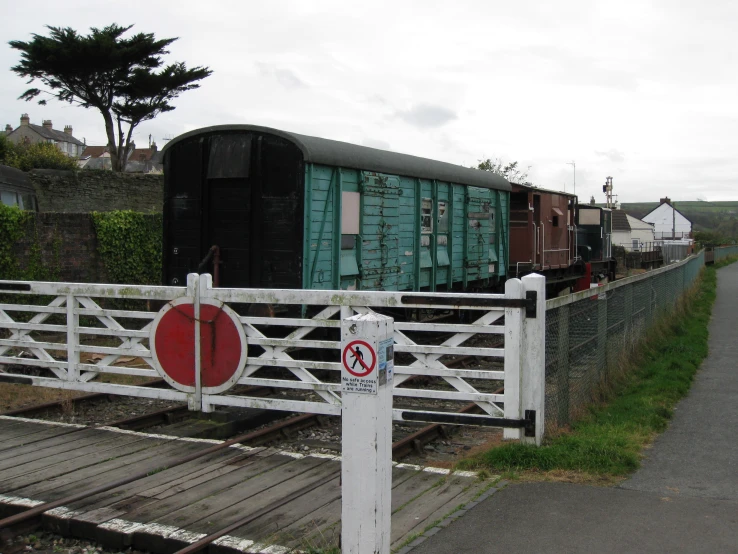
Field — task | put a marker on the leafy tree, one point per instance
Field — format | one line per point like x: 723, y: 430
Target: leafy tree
x: 6, y: 151
x: 122, y: 78
x: 41, y: 155
x: 510, y: 171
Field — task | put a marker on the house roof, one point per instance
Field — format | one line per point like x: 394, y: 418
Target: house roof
x: 672, y: 207
x: 343, y: 154
x: 53, y: 134
x: 94, y: 151
x: 620, y: 221
x: 141, y: 155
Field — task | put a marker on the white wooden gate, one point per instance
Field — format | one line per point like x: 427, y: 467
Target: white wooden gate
x: 292, y: 343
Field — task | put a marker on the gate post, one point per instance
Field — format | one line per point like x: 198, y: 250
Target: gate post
x: 513, y: 357
x: 533, y: 381
x: 367, y: 367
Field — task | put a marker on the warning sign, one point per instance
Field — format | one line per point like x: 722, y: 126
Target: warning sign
x: 386, y: 361
x: 359, y: 362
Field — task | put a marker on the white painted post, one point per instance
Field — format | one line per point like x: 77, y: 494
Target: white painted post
x: 533, y: 382
x: 72, y: 339
x: 194, y: 401
x: 513, y: 357
x: 204, y: 285
x: 366, y: 468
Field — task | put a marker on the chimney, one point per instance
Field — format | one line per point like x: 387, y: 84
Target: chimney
x: 153, y: 147
x: 665, y: 200
x: 68, y: 130
x: 8, y: 129
x: 25, y: 120
x: 47, y: 124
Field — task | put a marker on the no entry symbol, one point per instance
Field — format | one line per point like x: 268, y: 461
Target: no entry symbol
x: 359, y: 358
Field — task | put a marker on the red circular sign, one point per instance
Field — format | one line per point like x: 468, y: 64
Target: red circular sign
x: 357, y: 350
x: 222, y: 345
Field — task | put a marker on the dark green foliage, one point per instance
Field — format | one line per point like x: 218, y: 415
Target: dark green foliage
x: 40, y: 155
x: 609, y: 439
x: 129, y: 244
x: 12, y: 227
x: 121, y: 77
x: 509, y: 171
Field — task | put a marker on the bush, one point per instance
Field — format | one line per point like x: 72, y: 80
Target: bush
x: 41, y: 155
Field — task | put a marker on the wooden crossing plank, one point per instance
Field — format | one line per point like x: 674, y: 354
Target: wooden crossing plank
x: 117, y: 502
x: 435, y: 503
x: 67, y: 460
x: 267, y: 527
x: 54, y: 441
x: 25, y: 433
x: 266, y: 461
x: 249, y: 480
x: 146, y: 457
x: 41, y: 456
x: 319, y: 527
x: 213, y: 514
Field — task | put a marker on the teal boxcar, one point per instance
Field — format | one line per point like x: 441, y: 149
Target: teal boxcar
x: 299, y: 211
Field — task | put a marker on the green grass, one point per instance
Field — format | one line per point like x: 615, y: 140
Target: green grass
x: 609, y: 439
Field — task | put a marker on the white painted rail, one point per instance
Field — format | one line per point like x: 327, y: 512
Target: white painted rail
x: 79, y: 332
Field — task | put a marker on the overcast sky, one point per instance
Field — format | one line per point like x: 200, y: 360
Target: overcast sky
x: 645, y: 92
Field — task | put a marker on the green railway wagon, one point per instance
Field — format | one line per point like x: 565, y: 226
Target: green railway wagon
x: 292, y: 211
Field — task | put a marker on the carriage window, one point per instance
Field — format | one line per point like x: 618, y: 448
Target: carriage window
x: 426, y: 217
x: 443, y: 217
x: 9, y: 198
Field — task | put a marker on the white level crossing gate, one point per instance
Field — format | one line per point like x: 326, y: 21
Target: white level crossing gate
x: 290, y: 344
x: 372, y: 357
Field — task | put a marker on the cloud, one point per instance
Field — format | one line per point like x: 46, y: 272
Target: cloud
x: 615, y: 156
x: 427, y: 115
x: 284, y: 77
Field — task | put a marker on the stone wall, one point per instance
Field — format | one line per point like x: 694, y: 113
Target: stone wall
x: 96, y: 191
x: 67, y: 246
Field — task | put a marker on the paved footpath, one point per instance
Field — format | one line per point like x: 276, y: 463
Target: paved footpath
x: 683, y: 499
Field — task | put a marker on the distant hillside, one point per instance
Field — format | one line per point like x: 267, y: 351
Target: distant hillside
x: 719, y: 217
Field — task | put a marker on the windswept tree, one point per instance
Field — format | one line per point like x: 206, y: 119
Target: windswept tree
x: 123, y: 78
x: 510, y: 171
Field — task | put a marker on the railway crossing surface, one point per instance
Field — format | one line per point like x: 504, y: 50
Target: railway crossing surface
x: 684, y: 499
x: 295, y: 499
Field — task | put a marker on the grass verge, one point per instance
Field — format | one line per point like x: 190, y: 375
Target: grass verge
x: 606, y: 443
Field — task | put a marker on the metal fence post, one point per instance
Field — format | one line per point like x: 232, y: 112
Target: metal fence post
x: 628, y: 328
x: 367, y: 367
x: 513, y: 356
x: 602, y: 354
x: 533, y: 369
x: 563, y: 364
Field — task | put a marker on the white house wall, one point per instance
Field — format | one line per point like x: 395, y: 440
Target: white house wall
x: 666, y: 220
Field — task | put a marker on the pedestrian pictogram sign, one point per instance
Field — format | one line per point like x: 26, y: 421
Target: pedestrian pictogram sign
x: 359, y: 358
x: 359, y: 373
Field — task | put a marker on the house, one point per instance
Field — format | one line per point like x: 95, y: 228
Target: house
x: 29, y: 133
x: 669, y: 223
x: 631, y: 232
x: 140, y: 160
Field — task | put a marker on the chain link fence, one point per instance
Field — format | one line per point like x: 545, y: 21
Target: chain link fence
x: 588, y: 334
x: 722, y: 252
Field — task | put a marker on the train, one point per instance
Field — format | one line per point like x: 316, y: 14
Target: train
x: 265, y: 208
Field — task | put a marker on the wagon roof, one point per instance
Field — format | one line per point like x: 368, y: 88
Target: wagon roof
x: 344, y: 154
x: 15, y: 177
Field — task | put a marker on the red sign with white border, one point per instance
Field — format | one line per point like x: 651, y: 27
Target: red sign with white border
x: 357, y: 350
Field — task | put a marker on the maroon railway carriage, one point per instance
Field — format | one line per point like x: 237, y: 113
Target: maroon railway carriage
x: 543, y: 237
